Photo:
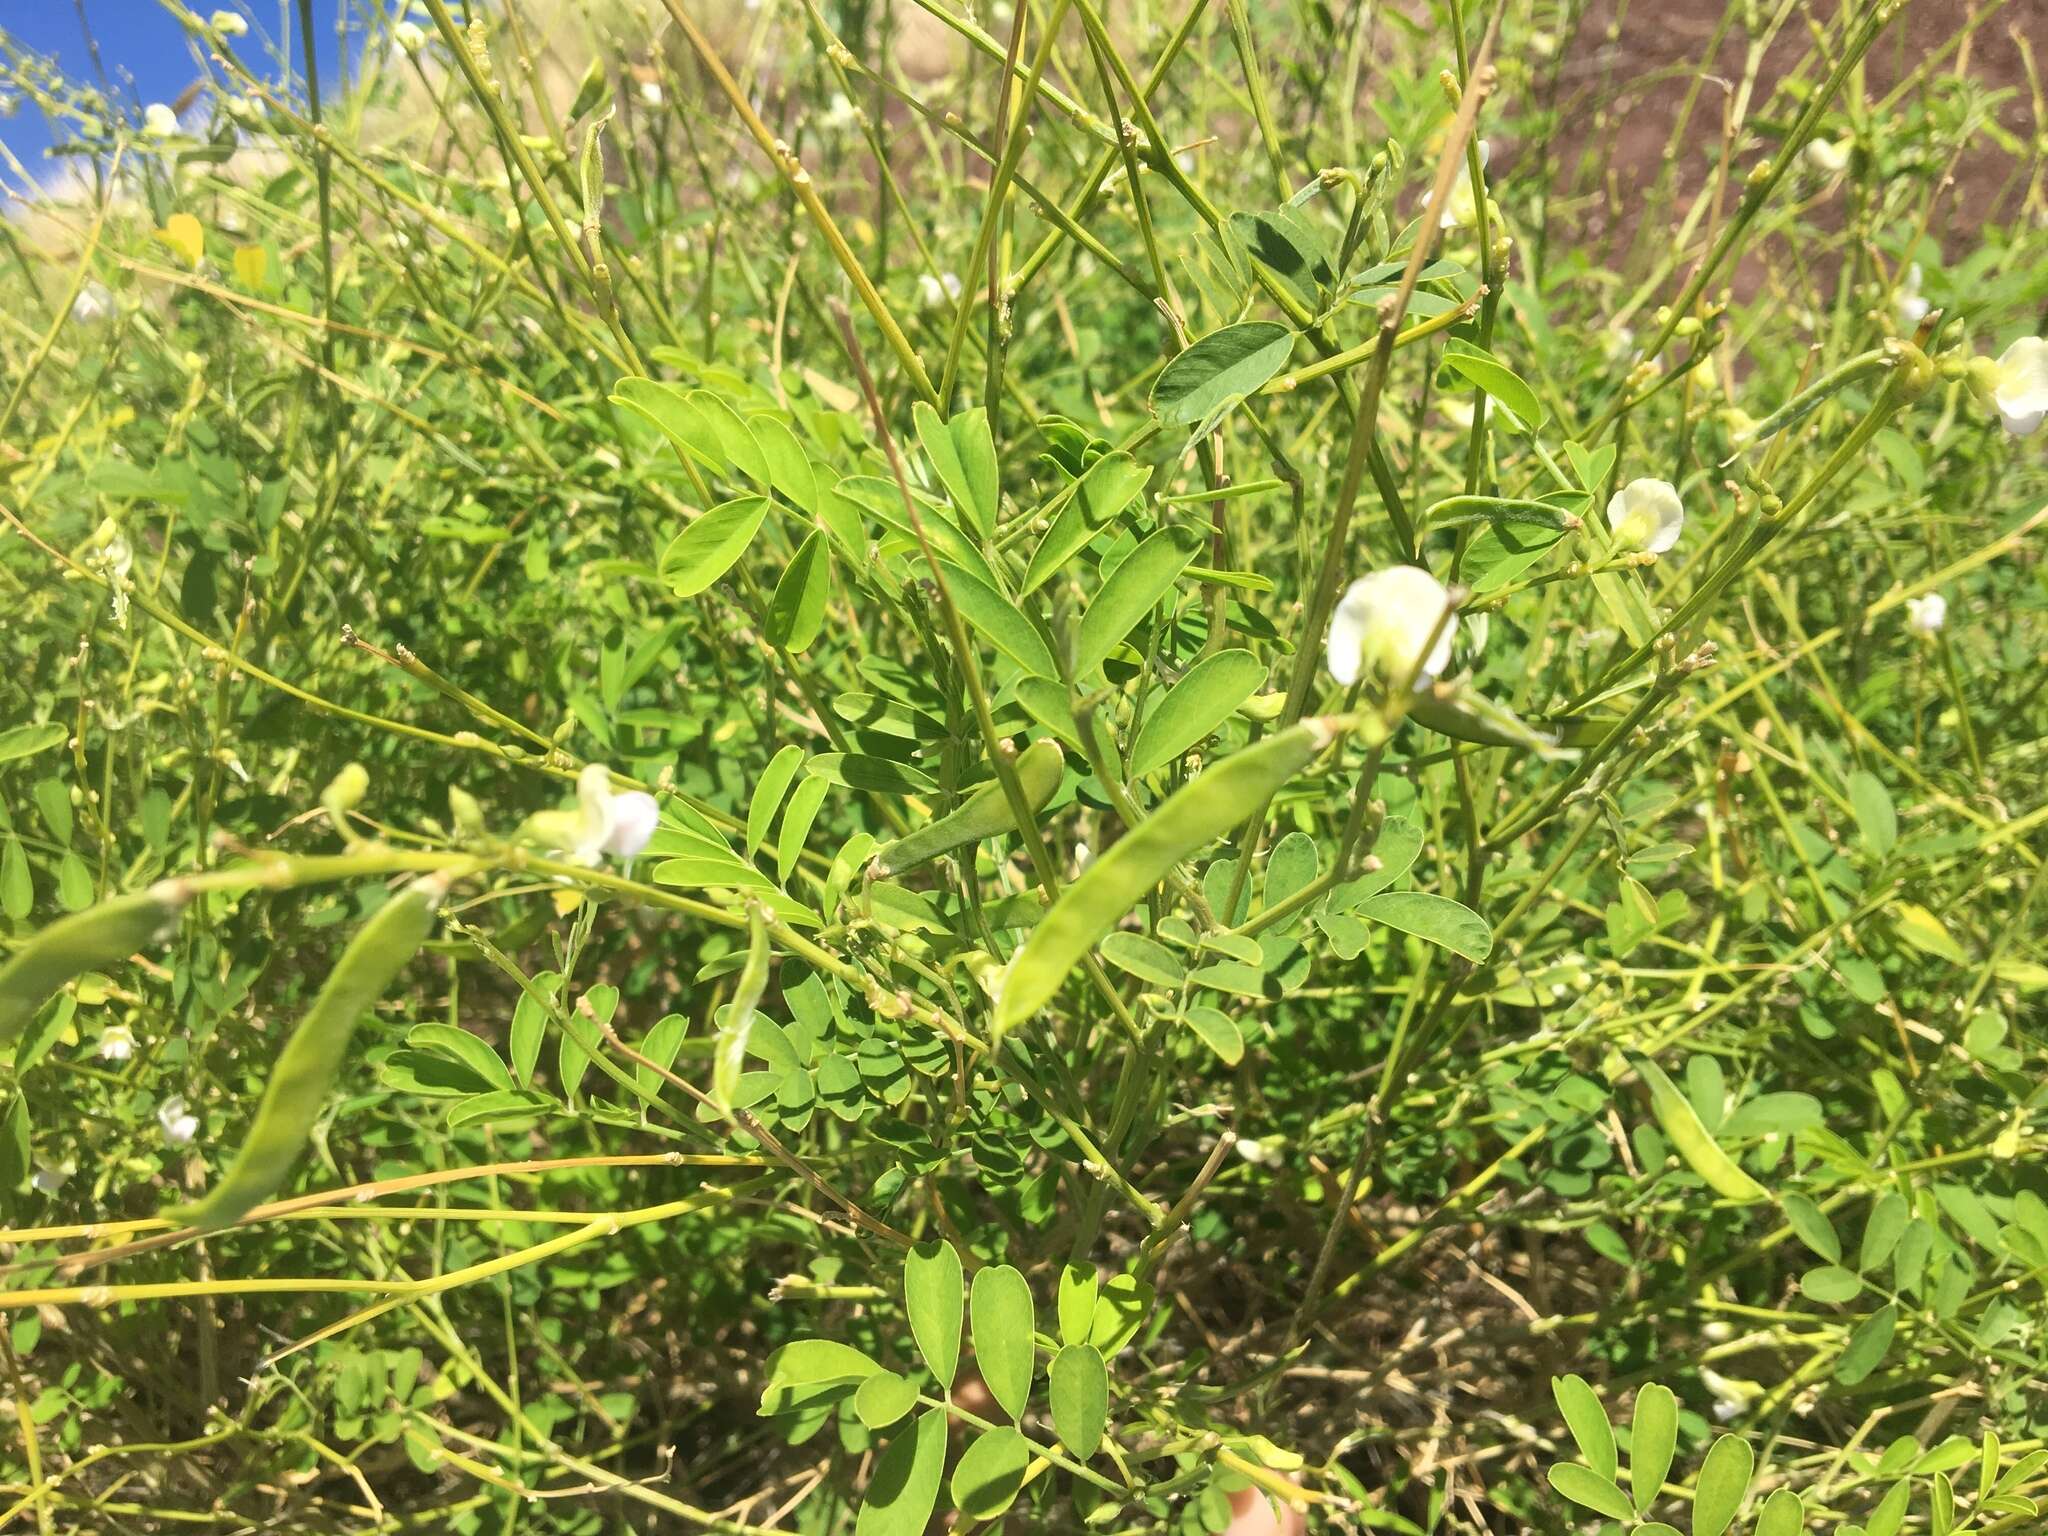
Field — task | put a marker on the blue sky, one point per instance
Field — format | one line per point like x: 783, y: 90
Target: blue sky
x: 146, y: 54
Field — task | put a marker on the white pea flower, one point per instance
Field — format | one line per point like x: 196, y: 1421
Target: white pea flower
x: 410, y: 36
x: 50, y: 1177
x: 1256, y: 1152
x: 1925, y: 615
x: 117, y: 1043
x: 228, y: 23
x: 179, y: 1124
x: 1458, y: 206
x: 1646, y: 515
x: 1829, y: 158
x: 1908, y: 308
x: 2018, y: 384
x: 1384, y: 624
x: 92, y: 303
x: 650, y: 92
x: 932, y: 292
x: 602, y: 823
x: 159, y: 121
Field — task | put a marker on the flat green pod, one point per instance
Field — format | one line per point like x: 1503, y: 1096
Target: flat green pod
x: 101, y: 935
x: 307, y: 1066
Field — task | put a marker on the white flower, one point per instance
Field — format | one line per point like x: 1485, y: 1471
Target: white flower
x: 1384, y: 624
x: 92, y: 302
x: 1908, y: 308
x: 1646, y: 515
x: 1926, y: 615
x: 179, y: 1125
x: 159, y: 121
x: 410, y: 36
x: 228, y: 23
x: 50, y: 1177
x: 117, y: 1043
x: 1257, y: 1153
x: 2019, y: 385
x: 1830, y: 159
x: 602, y: 823
x: 1458, y: 206
x: 650, y: 92
x: 932, y: 292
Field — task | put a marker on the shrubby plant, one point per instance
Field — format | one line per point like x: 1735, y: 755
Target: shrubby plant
x: 842, y: 767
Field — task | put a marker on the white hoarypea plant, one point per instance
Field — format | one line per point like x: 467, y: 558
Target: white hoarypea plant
x: 604, y: 822
x: 1926, y: 614
x: 1646, y: 515
x: 179, y: 1124
x: 159, y: 121
x: 1393, y: 623
x: 2018, y: 384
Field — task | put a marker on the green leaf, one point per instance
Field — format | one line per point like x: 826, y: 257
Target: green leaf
x: 1216, y: 1028
x: 769, y: 790
x: 706, y: 550
x: 1876, y: 817
x: 1438, y: 919
x: 1198, y: 812
x: 814, y: 1362
x: 1078, y: 1388
x: 796, y: 825
x: 1653, y: 1437
x: 736, y: 442
x: 1146, y: 959
x: 789, y: 468
x: 1501, y: 382
x: 1131, y: 592
x: 963, y: 456
x: 1587, y: 1421
x: 1582, y: 1485
x: 884, y: 1398
x: 1100, y: 494
x: 1079, y: 1286
x: 933, y: 1296
x: 1830, y: 1284
x: 671, y: 410
x: 904, y: 1488
x: 1723, y: 1480
x: 990, y: 1473
x: 464, y: 1047
x: 27, y: 740
x: 17, y: 885
x: 1187, y: 712
x: 1000, y: 621
x: 1881, y: 1233
x: 1120, y: 1310
x: 1219, y: 370
x: 854, y: 770
x: 1813, y: 1226
x: 796, y: 612
x: 1000, y: 1301
x: 1784, y: 1513
x: 1925, y: 932
x: 1866, y: 1346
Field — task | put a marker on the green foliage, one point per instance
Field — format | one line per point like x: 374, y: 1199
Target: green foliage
x: 699, y: 828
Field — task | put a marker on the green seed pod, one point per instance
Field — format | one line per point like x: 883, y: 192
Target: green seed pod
x: 312, y: 1057
x: 1204, y: 808
x: 730, y: 1054
x: 103, y: 935
x: 985, y: 813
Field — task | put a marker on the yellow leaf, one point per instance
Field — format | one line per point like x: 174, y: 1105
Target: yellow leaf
x: 252, y: 265
x: 1924, y: 931
x: 181, y: 232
